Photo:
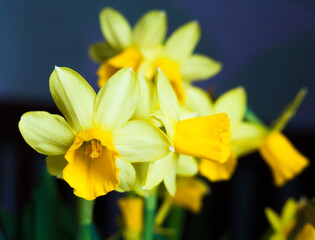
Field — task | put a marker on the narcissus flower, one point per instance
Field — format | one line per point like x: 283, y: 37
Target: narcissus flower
x: 142, y: 49
x: 282, y: 157
x: 245, y: 136
x: 286, y: 225
x: 132, y: 212
x: 189, y: 193
x: 93, y: 146
x: 203, y: 137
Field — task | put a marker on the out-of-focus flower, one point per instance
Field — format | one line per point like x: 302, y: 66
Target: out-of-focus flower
x: 93, y: 147
x: 189, y: 193
x: 245, y: 136
x: 203, y: 137
x: 284, y: 224
x: 282, y: 157
x: 142, y: 49
x: 132, y: 212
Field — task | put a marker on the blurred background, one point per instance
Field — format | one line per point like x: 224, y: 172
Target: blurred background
x: 266, y: 46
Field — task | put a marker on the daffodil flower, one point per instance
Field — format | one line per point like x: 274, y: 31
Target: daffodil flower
x: 287, y: 224
x: 282, y: 157
x: 132, y: 212
x: 93, y: 146
x: 203, y: 137
x: 142, y: 49
x: 245, y: 136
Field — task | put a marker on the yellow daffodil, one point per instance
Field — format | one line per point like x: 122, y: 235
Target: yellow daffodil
x: 132, y: 212
x: 282, y: 157
x: 93, y: 146
x: 245, y: 137
x: 284, y: 224
x: 189, y: 194
x: 142, y: 49
x: 203, y: 137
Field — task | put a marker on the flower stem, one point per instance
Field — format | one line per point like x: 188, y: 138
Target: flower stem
x: 84, y: 213
x: 149, y: 212
x: 176, y: 221
x: 163, y: 211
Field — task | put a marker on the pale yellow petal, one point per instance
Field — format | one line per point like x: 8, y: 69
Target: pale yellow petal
x: 183, y: 41
x: 284, y: 160
x: 166, y: 97
x: 170, y: 178
x: 147, y: 103
x: 117, y: 100
x: 198, y: 100
x: 273, y: 219
x: 233, y: 103
x: 215, y: 171
x: 127, y: 174
x: 204, y: 137
x: 101, y: 51
x: 141, y: 173
x: 150, y: 29
x: 186, y: 166
x: 47, y: 133
x: 247, y: 137
x: 74, y: 97
x: 116, y: 29
x: 55, y: 165
x: 139, y: 141
x: 158, y: 170
x: 199, y: 67
x: 288, y: 211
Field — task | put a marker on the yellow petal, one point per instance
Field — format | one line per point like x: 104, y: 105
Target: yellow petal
x: 199, y: 67
x: 170, y: 178
x: 283, y: 159
x: 150, y: 29
x: 47, y: 133
x: 101, y: 51
x: 147, y: 104
x: 115, y: 28
x: 117, y: 100
x: 74, y: 97
x: 158, y: 170
x: 183, y: 41
x: 127, y: 175
x: 233, y: 103
x: 132, y: 212
x: 166, y: 97
x: 189, y: 194
x: 141, y: 173
x: 247, y: 137
x: 204, y: 137
x: 273, y: 219
x: 91, y: 168
x: 130, y: 57
x: 172, y: 73
x: 139, y: 141
x: 215, y: 171
x: 288, y: 211
x: 186, y: 166
x: 307, y: 233
x: 55, y: 165
x: 198, y: 100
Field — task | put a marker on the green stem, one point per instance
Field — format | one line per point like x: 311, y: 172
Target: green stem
x: 176, y: 222
x: 84, y: 213
x: 149, y: 212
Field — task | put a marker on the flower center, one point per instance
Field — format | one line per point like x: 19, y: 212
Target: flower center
x: 93, y: 148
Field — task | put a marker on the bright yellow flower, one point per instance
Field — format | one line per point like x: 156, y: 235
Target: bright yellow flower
x: 189, y: 193
x: 282, y: 157
x: 283, y: 225
x: 93, y: 147
x: 245, y: 137
x: 204, y: 137
x: 142, y: 49
x: 132, y: 212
